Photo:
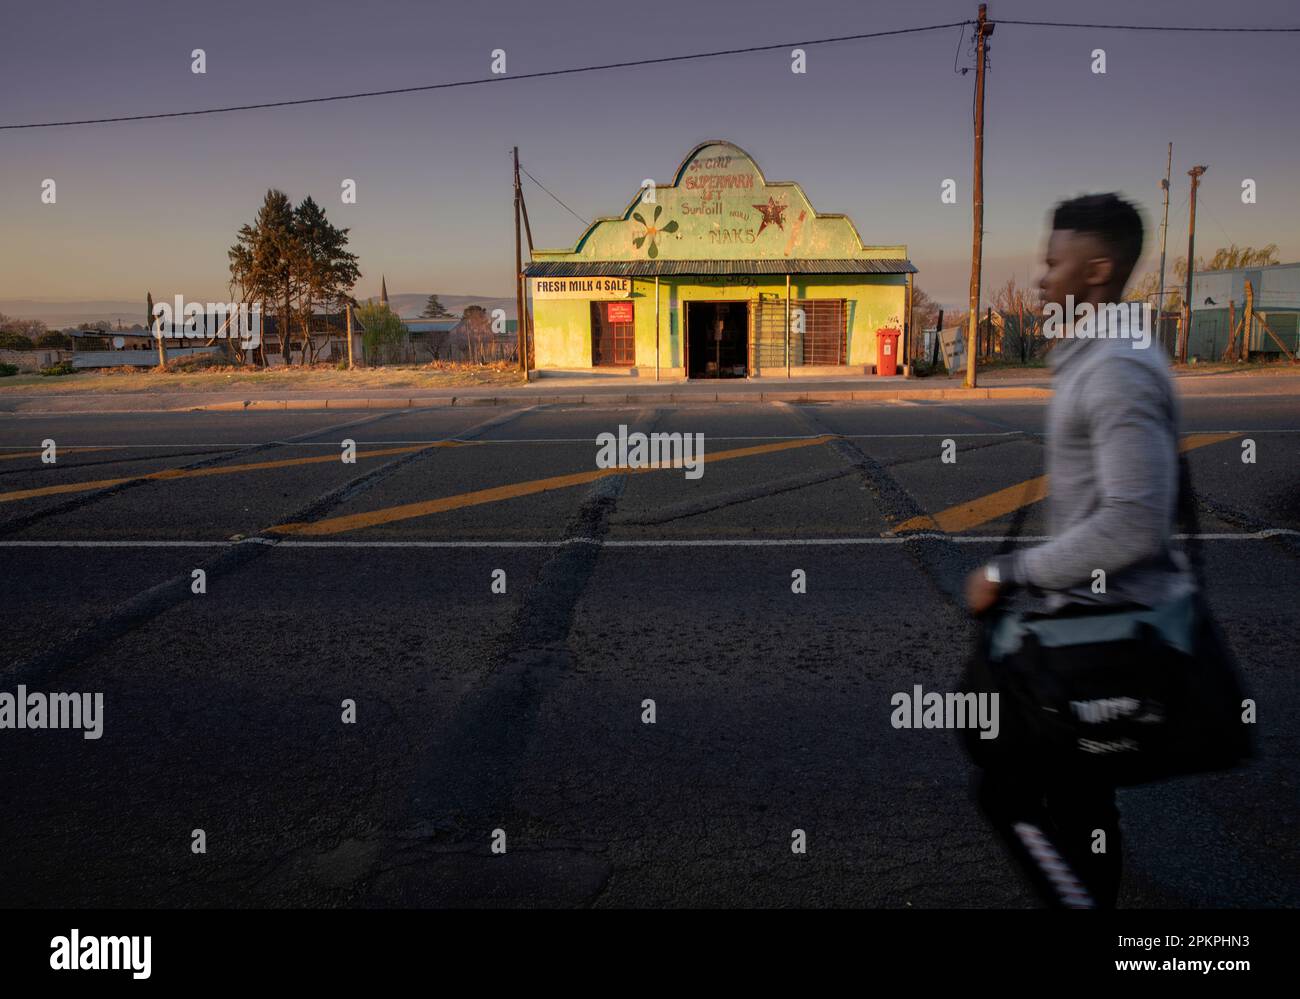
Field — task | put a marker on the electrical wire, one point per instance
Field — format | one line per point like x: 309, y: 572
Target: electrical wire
x: 503, y: 78
x: 1142, y: 27
x: 556, y: 199
x: 633, y: 63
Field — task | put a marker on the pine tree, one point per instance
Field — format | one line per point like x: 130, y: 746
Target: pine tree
x: 328, y: 270
x: 433, y: 309
x: 292, y: 255
x: 265, y: 260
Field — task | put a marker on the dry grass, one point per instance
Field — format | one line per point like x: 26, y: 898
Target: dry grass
x: 220, y: 378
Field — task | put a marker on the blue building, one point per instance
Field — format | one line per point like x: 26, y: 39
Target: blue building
x: 1277, y: 302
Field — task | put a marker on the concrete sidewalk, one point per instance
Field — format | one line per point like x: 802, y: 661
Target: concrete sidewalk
x: 568, y: 391
x: 998, y: 385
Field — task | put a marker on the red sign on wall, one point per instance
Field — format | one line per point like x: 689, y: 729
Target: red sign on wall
x: 619, y: 312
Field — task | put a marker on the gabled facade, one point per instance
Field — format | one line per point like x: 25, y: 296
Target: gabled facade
x: 718, y: 273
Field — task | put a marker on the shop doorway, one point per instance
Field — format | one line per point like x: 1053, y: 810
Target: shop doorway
x: 717, y: 339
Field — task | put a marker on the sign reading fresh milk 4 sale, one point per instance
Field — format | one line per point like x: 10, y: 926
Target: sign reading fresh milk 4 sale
x: 592, y: 288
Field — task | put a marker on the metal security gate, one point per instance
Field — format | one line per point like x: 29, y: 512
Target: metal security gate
x: 824, y: 339
x: 818, y: 332
x: 767, y: 337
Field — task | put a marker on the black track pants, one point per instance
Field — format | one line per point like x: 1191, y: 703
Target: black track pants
x: 1056, y: 830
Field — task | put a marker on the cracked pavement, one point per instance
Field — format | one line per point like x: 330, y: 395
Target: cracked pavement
x: 522, y: 711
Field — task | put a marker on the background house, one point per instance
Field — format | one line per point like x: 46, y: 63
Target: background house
x: 1277, y: 302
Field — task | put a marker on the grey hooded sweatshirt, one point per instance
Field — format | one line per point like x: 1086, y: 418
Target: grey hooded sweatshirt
x: 1112, y: 465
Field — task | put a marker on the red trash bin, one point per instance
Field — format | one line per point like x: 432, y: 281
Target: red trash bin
x: 887, y: 351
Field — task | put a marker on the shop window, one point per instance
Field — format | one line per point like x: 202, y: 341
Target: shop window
x: 613, y: 338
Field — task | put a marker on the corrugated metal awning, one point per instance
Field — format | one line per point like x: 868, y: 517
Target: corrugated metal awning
x: 715, y: 268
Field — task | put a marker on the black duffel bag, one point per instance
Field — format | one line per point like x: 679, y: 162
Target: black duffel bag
x: 1124, y: 695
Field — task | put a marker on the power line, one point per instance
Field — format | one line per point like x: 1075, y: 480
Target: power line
x: 556, y: 199
x: 961, y: 37
x: 1142, y: 27
x: 494, y: 79
x: 633, y: 63
x: 1214, y: 218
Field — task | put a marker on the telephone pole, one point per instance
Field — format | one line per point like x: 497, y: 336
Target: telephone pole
x: 348, y: 307
x: 519, y: 276
x: 1164, y: 231
x: 983, y: 30
x: 155, y: 324
x: 1195, y: 173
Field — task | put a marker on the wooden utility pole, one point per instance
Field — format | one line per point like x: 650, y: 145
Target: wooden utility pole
x: 908, y: 353
x: 348, y: 307
x: 1195, y: 173
x: 528, y: 313
x: 1248, y: 322
x: 983, y: 30
x: 520, y: 323
x: 1164, y: 231
x: 155, y: 323
x: 934, y: 350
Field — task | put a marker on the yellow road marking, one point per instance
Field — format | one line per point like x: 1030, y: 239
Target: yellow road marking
x: 195, y: 473
x: 973, y: 513
x: 37, y: 454
x: 357, y: 521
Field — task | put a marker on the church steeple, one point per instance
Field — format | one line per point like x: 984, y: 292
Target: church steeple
x: 383, y: 292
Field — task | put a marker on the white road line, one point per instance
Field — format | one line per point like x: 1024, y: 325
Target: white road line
x: 591, y: 439
x: 116, y: 544
x: 970, y: 539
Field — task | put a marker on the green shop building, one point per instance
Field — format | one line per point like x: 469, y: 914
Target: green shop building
x: 720, y: 273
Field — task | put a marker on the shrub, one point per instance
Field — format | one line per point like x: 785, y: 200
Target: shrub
x: 62, y: 368
x: 7, y: 370
x: 384, y: 333
x: 197, y: 362
x: 55, y: 340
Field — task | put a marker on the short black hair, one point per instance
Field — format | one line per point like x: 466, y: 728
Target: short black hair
x: 1112, y: 218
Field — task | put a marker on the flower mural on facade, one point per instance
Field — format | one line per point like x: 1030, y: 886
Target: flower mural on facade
x: 652, y: 230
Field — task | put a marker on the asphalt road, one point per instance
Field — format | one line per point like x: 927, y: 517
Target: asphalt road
x: 522, y: 711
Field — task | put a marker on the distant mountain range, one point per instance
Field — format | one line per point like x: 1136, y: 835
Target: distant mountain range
x: 58, y: 314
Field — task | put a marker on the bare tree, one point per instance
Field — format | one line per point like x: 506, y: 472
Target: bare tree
x: 1225, y: 258
x: 476, y: 328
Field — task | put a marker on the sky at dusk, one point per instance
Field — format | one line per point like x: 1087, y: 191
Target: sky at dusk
x: 871, y: 130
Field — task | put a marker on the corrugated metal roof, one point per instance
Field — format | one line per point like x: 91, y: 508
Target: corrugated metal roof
x: 650, y: 268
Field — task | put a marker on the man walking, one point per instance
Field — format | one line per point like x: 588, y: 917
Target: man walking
x: 1112, y: 462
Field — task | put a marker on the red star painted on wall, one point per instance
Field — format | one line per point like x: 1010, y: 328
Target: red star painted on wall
x: 773, y: 214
